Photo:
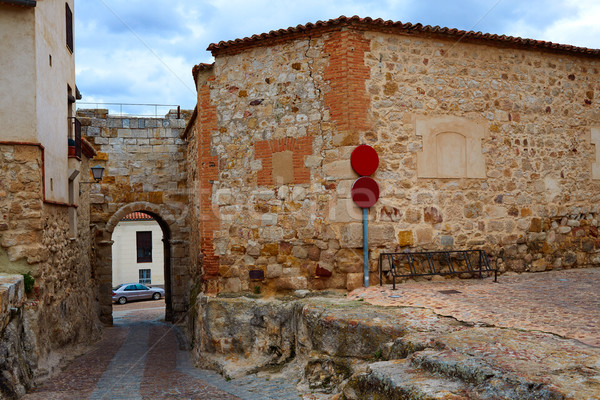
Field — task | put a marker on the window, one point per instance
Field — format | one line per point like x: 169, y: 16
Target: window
x: 144, y: 278
x: 144, y: 246
x: 69, y: 19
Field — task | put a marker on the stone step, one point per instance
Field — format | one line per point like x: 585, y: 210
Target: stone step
x: 486, y: 380
x: 401, y: 380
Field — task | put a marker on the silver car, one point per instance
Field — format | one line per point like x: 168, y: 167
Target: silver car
x: 135, y: 291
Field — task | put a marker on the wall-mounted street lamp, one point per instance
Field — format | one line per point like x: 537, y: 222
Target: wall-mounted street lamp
x: 97, y: 173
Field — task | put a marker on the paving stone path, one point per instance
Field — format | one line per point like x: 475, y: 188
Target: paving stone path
x: 565, y: 303
x: 141, y: 358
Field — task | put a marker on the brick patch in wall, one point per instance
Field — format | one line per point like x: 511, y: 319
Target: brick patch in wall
x: 347, y: 74
x: 300, y: 148
x: 208, y: 171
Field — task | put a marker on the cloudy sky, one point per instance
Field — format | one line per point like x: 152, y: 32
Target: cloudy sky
x: 143, y: 51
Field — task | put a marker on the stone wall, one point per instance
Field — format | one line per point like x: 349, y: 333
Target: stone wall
x: 145, y: 170
x: 16, y: 376
x: 20, y: 207
x: 509, y: 129
x: 62, y: 310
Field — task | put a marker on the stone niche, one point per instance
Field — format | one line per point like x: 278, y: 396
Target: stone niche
x: 451, y: 148
x: 595, y: 140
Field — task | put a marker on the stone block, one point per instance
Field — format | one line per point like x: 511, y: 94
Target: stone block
x: 268, y: 219
x: 26, y: 153
x: 265, y: 195
x: 253, y: 248
x: 338, y: 170
x: 424, y: 235
x: 274, y: 271
x: 256, y: 165
x: 232, y: 285
x: 270, y: 249
x: 349, y: 260
x: 493, y: 211
x: 446, y: 240
x: 535, y: 225
x: 351, y: 235
x: 381, y: 234
x: 345, y: 210
x: 314, y: 253
x: 354, y: 281
x: 343, y: 188
x: 313, y: 161
x: 564, y: 229
x: 324, y: 270
x: 298, y: 193
x: 538, y: 265
x: 290, y: 283
x: 432, y: 215
x: 299, y: 252
x: 97, y: 198
x: 405, y: 238
x: 272, y: 233
x: 412, y: 216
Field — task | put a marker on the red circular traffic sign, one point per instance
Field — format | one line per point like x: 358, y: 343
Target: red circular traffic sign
x: 364, y: 160
x: 365, y: 192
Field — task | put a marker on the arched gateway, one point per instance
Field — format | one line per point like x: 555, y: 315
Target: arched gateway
x: 145, y: 170
x: 175, y: 262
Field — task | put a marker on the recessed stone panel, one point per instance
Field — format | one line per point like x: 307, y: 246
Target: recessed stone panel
x: 451, y: 148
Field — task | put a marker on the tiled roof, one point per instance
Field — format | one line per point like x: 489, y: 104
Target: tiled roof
x: 198, y: 68
x: 137, y: 216
x: 408, y: 29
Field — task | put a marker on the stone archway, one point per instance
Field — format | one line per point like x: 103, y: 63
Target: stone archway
x: 145, y: 170
x: 174, y: 261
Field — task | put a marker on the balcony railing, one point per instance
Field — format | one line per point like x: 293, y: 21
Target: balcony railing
x: 74, y: 140
x: 136, y: 110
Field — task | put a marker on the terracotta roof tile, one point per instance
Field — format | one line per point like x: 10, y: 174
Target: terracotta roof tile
x: 137, y: 216
x: 405, y: 28
x: 200, y: 67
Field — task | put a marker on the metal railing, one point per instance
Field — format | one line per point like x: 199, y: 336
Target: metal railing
x: 427, y: 263
x: 74, y: 138
x: 117, y: 109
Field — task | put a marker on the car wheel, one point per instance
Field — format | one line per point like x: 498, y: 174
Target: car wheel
x: 156, y: 296
x: 122, y: 300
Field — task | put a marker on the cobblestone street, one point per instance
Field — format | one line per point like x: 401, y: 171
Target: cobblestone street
x: 536, y: 326
x: 140, y: 358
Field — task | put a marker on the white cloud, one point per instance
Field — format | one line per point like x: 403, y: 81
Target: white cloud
x: 114, y: 65
x: 578, y: 25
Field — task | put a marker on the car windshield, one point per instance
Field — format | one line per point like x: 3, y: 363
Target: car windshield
x: 117, y: 287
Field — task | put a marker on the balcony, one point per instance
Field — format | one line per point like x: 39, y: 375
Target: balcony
x: 74, y: 139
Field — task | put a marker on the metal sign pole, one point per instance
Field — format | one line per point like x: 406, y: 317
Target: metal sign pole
x: 366, y: 245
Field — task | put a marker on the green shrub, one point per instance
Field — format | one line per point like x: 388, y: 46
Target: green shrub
x: 28, y: 281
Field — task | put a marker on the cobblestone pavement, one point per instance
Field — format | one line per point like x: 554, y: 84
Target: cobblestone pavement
x: 140, y: 357
x: 566, y: 303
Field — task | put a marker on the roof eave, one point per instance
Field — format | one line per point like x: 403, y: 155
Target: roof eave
x: 238, y: 45
x: 19, y: 3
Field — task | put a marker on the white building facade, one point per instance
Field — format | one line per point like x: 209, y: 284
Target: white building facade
x: 137, y: 251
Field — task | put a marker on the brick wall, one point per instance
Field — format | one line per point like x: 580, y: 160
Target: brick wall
x: 347, y: 74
